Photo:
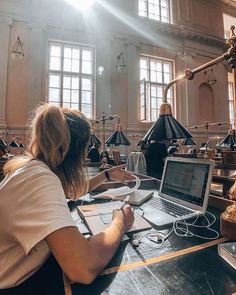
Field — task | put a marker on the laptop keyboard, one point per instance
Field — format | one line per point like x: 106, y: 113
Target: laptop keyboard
x: 169, y: 207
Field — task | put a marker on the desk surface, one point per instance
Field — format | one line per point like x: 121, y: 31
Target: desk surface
x: 180, y: 266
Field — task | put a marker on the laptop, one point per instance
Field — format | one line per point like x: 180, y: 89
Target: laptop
x: 183, y: 193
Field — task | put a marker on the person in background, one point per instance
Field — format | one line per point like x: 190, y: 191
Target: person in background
x: 39, y: 237
x: 106, y: 158
x: 155, y: 155
x: 94, y: 154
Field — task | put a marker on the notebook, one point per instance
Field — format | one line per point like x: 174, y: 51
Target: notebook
x: 98, y: 216
x: 183, y: 193
x: 136, y: 198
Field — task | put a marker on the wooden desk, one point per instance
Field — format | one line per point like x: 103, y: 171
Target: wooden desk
x: 181, y: 266
x: 225, y: 177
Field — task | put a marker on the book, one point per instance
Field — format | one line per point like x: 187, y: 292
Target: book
x: 99, y: 216
x: 136, y: 198
x: 228, y: 252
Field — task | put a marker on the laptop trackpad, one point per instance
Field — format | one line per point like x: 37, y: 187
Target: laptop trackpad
x: 156, y: 216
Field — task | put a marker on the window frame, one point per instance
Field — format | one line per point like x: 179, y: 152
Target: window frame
x: 231, y: 102
x: 148, y: 116
x: 80, y: 75
x: 147, y: 12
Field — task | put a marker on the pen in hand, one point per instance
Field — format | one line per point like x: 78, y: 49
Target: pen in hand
x: 124, y: 202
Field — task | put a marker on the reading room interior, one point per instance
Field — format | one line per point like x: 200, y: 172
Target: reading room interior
x: 117, y: 147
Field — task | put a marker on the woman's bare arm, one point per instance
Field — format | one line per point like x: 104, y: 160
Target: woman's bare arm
x: 83, y: 259
x: 116, y: 173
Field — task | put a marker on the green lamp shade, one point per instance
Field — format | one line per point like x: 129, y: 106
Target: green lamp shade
x: 166, y: 127
x: 188, y: 141
x: 117, y: 138
x: 13, y: 143
x: 2, y: 143
x: 94, y: 140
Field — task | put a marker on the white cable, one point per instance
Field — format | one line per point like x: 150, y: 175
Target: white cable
x: 181, y: 228
x: 120, y: 191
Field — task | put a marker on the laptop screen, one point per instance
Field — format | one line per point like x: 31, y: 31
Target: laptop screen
x: 186, y: 181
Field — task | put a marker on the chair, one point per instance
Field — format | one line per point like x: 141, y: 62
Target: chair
x: 116, y: 158
x: 136, y: 163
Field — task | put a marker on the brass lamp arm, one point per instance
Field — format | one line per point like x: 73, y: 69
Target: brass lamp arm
x: 106, y: 118
x: 189, y: 74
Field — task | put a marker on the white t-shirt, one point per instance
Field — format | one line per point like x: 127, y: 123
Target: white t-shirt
x: 32, y: 205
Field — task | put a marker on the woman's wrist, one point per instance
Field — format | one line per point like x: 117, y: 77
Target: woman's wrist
x: 119, y: 227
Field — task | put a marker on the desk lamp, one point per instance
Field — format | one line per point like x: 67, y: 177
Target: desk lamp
x: 188, y: 141
x: 229, y: 139
x: 93, y: 138
x: 13, y: 143
x: 3, y: 143
x: 167, y: 127
x: 118, y: 138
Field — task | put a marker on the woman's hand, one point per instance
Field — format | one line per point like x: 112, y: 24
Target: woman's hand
x: 119, y: 174
x: 123, y: 218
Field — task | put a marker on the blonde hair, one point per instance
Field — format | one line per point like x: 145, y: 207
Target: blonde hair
x: 59, y: 139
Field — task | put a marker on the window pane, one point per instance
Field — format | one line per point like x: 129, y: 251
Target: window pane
x: 159, y: 77
x: 153, y: 76
x: 67, y: 52
x: 55, y: 51
x: 66, y: 82
x: 86, y: 84
x: 154, y: 115
x: 66, y: 105
x: 153, y: 91
x: 67, y: 65
x: 66, y: 95
x: 164, y: 3
x: 75, y: 106
x: 75, y: 53
x: 143, y: 74
x: 75, y: 66
x: 54, y: 81
x: 154, y: 103
x: 87, y: 55
x: 86, y: 110
x: 54, y: 94
x: 143, y: 63
x: 55, y: 63
x: 86, y: 67
x: 166, y: 78
x: 164, y: 12
x: 75, y: 96
x: 166, y: 68
x: 86, y: 97
x: 159, y: 92
x: 75, y: 83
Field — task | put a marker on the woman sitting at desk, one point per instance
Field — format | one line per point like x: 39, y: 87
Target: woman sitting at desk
x: 37, y: 231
